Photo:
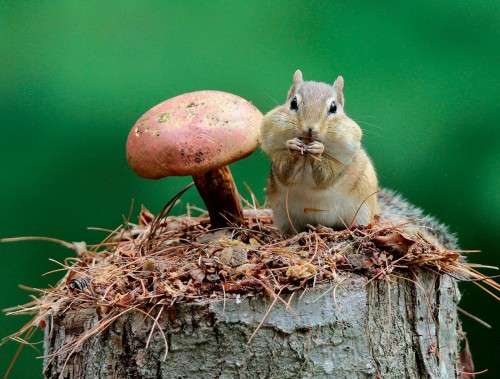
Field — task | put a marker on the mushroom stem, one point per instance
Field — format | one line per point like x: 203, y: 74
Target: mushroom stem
x: 219, y: 192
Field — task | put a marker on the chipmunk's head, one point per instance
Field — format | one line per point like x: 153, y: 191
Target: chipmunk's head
x: 314, y: 106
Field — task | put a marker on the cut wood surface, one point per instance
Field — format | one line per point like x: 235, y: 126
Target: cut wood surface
x: 406, y: 328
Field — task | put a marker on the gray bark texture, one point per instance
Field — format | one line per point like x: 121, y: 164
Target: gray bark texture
x: 349, y: 329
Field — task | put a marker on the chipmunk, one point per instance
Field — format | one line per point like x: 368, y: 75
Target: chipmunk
x: 320, y: 174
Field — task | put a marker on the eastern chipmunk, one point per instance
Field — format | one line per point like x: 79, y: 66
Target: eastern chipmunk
x: 320, y: 174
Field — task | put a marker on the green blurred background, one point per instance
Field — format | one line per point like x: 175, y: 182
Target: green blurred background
x: 422, y: 79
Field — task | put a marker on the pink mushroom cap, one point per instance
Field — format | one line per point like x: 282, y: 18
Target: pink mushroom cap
x: 193, y: 133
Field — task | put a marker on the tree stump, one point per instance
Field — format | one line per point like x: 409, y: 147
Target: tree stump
x: 349, y: 329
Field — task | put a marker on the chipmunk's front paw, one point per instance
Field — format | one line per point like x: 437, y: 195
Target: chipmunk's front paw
x: 295, y: 144
x: 315, y: 147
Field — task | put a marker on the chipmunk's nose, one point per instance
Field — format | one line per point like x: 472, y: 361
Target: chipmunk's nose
x: 311, y: 131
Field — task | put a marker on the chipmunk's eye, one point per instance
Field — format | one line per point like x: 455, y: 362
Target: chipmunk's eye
x: 333, y: 107
x: 294, y: 106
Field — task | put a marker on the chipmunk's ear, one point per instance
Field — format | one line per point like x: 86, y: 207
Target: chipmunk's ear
x: 297, y: 77
x: 338, y: 85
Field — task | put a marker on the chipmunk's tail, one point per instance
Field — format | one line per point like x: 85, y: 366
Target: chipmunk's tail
x: 398, y: 211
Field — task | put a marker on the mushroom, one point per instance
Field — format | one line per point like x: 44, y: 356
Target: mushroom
x: 198, y: 134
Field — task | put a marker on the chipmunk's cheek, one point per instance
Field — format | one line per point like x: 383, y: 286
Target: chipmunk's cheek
x: 322, y: 137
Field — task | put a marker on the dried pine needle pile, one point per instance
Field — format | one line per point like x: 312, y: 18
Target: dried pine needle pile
x: 168, y: 260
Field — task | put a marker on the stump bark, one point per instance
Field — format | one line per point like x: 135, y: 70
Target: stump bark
x: 348, y: 329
